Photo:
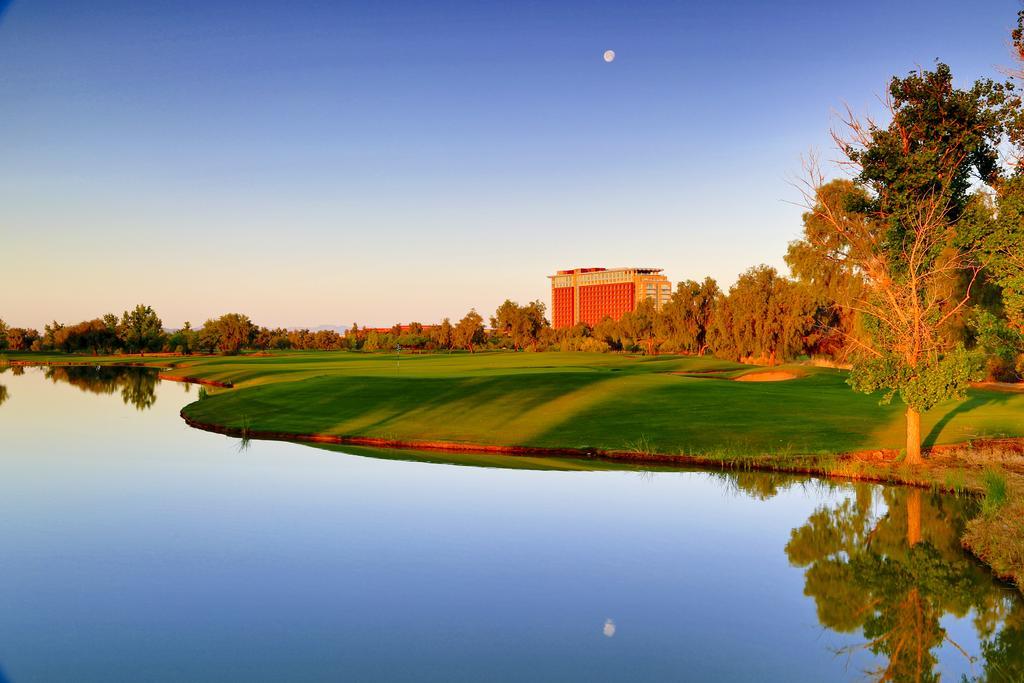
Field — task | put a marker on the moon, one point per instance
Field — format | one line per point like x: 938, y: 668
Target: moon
x: 609, y: 55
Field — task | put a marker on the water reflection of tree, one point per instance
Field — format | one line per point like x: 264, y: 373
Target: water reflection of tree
x: 137, y: 385
x: 4, y: 394
x: 767, y: 485
x: 893, y: 575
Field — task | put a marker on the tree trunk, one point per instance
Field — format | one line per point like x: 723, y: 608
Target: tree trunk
x: 913, y: 437
x: 771, y: 359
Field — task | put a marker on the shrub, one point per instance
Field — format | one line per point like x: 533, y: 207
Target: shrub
x: 995, y: 491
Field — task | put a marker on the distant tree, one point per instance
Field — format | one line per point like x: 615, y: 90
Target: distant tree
x: 267, y: 338
x: 1001, y: 347
x: 821, y: 262
x: 208, y: 336
x: 184, y: 340
x: 327, y: 340
x: 141, y: 329
x: 355, y: 337
x: 530, y: 322
x: 686, y: 318
x: 505, y: 321
x: 580, y: 330
x: 764, y: 316
x: 89, y: 335
x: 606, y: 332
x: 637, y: 328
x: 261, y: 338
x: 301, y: 339
x: 579, y: 337
x: 373, y: 341
x: 229, y: 333
x: 49, y: 338
x: 443, y: 334
x: 4, y: 331
x: 21, y: 339
x: 279, y: 339
x: 413, y: 340
x: 518, y: 325
x: 379, y: 341
x: 469, y: 332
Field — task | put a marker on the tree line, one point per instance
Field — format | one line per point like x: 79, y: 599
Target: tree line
x: 764, y: 317
x: 141, y: 331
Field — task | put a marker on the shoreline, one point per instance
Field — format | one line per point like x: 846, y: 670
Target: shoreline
x: 808, y: 464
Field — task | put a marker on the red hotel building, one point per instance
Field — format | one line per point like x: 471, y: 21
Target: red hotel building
x: 591, y: 294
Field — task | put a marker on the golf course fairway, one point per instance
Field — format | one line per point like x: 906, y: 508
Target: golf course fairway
x: 668, y: 405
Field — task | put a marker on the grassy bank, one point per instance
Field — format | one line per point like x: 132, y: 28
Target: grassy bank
x: 665, y: 408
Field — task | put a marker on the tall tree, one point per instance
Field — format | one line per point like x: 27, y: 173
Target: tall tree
x: 89, y: 335
x: 506, y: 320
x: 442, y: 334
x: 183, y: 340
x: 50, y: 332
x: 230, y: 333
x: 529, y: 324
x: 21, y: 339
x: 687, y: 317
x: 821, y: 262
x: 1004, y: 243
x: 907, y: 239
x: 765, y: 316
x: 469, y: 332
x: 639, y: 327
x: 141, y: 329
x: 356, y: 337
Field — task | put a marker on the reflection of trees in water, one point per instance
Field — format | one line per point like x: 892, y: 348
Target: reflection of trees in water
x: 4, y: 394
x: 893, y: 572
x: 137, y: 385
x: 766, y: 485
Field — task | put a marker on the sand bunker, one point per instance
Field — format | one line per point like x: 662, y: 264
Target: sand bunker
x: 769, y: 376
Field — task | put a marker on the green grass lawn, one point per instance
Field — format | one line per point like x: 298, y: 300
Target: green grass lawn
x: 569, y: 400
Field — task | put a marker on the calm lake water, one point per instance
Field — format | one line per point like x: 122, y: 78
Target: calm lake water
x: 138, y: 549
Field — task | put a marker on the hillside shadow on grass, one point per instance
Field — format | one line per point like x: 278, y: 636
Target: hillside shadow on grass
x: 973, y: 402
x: 674, y: 414
x: 509, y: 410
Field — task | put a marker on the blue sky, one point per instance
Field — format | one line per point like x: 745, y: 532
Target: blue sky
x: 327, y: 162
